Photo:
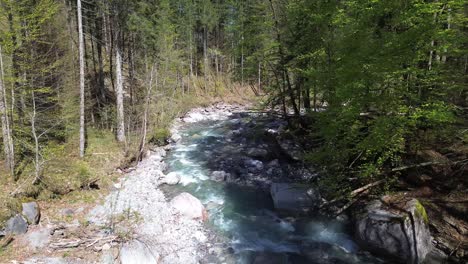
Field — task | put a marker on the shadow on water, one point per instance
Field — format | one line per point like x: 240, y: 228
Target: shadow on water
x: 240, y: 210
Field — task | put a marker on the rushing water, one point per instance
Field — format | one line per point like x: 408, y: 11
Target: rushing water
x: 244, y: 215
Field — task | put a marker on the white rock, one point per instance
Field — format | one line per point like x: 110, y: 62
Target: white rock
x: 39, y: 238
x: 189, y: 206
x: 172, y: 178
x: 200, y: 236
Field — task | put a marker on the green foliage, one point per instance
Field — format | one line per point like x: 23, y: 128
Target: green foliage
x: 160, y: 136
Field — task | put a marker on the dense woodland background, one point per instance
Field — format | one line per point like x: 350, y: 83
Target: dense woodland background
x: 368, y: 86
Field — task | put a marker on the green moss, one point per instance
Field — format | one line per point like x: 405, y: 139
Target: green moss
x: 421, y: 212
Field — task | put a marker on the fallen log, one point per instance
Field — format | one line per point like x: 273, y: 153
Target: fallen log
x: 353, y: 193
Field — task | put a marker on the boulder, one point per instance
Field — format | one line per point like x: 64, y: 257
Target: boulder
x: 135, y: 252
x: 172, y: 178
x: 395, y: 227
x: 31, y: 212
x: 253, y: 165
x: 39, y: 238
x: 219, y: 176
x: 189, y: 206
x: 290, y: 148
x: 294, y: 197
x: 16, y: 225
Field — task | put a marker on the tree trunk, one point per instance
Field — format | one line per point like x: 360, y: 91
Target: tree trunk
x: 6, y: 131
x: 145, y: 116
x: 37, y: 163
x: 119, y: 95
x: 82, y: 80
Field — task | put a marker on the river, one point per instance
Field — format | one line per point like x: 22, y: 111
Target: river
x: 241, y: 211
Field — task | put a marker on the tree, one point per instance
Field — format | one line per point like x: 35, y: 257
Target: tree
x: 82, y: 80
x: 6, y: 130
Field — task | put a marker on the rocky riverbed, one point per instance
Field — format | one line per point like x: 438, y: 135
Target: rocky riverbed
x: 231, y: 188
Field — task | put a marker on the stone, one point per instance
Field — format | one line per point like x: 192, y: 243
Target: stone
x: 294, y: 197
x: 189, y: 206
x: 176, y: 137
x: 38, y: 239
x: 219, y: 176
x: 106, y: 246
x: 257, y: 153
x: 31, y: 212
x: 397, y: 229
x: 135, y: 252
x: 67, y: 212
x: 171, y: 178
x: 274, y: 163
x: 290, y: 148
x: 16, y: 225
x: 254, y: 165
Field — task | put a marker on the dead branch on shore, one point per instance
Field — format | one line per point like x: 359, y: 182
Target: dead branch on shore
x: 354, y: 194
x: 83, y: 242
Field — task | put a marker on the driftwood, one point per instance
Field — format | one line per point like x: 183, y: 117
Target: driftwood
x: 424, y: 164
x: 6, y: 241
x: 82, y: 242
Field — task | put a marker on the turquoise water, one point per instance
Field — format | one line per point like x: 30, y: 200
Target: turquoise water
x: 244, y: 215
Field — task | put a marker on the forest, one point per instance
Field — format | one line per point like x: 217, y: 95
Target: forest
x: 374, y: 92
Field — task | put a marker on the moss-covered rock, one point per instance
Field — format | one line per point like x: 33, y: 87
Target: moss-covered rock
x: 395, y: 226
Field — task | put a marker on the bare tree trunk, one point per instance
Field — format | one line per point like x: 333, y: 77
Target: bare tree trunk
x: 37, y: 163
x: 82, y: 80
x: 259, y: 76
x: 6, y: 131
x: 119, y: 95
x: 145, y: 116
x: 449, y: 18
x: 205, y: 52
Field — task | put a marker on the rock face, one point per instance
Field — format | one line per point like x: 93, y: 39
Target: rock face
x: 17, y: 225
x: 189, y: 206
x: 293, y: 197
x: 31, y: 212
x: 399, y: 230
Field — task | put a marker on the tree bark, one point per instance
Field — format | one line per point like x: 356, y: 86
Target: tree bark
x: 119, y: 95
x: 145, y: 116
x: 6, y: 131
x: 82, y: 80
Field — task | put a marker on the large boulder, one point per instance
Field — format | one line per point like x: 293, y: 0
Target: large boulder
x: 294, y: 197
x: 189, y: 206
x: 16, y: 225
x: 31, y: 212
x: 396, y: 227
